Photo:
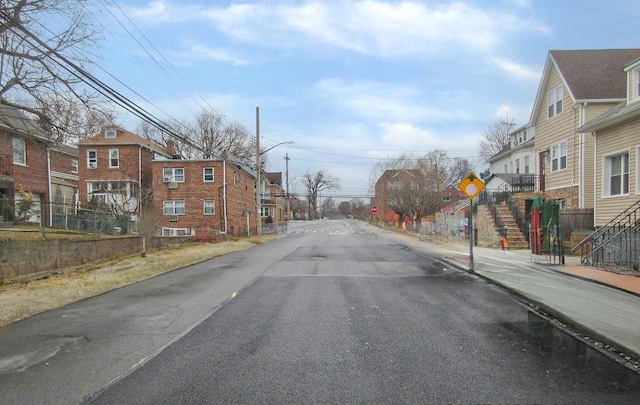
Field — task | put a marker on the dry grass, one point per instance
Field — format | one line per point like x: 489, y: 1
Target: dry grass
x: 20, y: 301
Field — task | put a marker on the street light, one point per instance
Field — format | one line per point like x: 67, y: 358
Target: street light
x: 258, y: 183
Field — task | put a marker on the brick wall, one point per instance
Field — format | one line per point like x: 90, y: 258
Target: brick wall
x: 29, y: 259
x: 19, y: 259
x: 194, y: 191
x: 33, y: 176
x: 128, y: 169
x: 568, y: 194
x: 61, y: 162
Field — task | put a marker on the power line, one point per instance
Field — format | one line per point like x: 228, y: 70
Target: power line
x: 92, y: 81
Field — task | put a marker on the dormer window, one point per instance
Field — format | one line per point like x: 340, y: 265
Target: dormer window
x: 110, y: 133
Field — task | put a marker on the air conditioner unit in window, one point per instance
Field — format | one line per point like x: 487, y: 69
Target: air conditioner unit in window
x: 173, y: 184
x: 173, y: 218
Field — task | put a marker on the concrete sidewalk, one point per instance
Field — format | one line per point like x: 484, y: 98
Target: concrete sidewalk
x: 604, y: 306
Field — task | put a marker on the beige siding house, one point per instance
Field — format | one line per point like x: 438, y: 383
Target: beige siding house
x: 576, y: 87
x: 617, y: 147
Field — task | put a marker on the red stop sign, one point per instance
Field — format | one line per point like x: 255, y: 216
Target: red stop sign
x: 374, y: 210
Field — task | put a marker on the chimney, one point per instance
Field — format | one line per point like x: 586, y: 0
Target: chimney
x: 224, y: 154
x: 171, y: 148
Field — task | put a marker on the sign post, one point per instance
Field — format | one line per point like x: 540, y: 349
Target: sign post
x: 471, y: 186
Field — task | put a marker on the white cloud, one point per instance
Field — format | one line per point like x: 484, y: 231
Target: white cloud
x: 383, y: 101
x: 204, y: 52
x: 374, y: 27
x: 514, y: 69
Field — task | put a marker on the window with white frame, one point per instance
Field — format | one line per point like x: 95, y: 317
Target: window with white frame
x: 92, y: 158
x: 110, y: 133
x: 175, y: 231
x: 209, y: 207
x: 235, y: 178
x: 559, y: 156
x: 114, y: 158
x: 616, y: 175
x: 74, y: 166
x: 19, y: 151
x: 526, y: 164
x: 554, y: 102
x: 505, y: 168
x: 517, y: 165
x: 175, y: 207
x: 264, y: 211
x: 207, y: 174
x: 175, y: 174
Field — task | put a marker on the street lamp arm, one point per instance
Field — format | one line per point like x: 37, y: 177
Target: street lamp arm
x: 278, y: 144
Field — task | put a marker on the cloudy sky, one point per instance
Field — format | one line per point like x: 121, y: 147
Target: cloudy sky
x: 349, y: 82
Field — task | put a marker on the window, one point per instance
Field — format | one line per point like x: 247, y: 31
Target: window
x: 559, y: 156
x: 446, y: 198
x: 235, y: 178
x: 209, y: 207
x: 517, y: 165
x: 110, y: 133
x: 264, y: 211
x: 554, y: 102
x: 175, y: 231
x: 19, y: 151
x: 74, y: 166
x: 616, y: 175
x: 92, y: 158
x: 173, y: 174
x: 207, y: 174
x: 526, y: 164
x: 173, y: 207
x: 114, y: 158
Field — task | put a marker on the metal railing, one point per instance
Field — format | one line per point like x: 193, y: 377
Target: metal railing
x: 592, y: 246
x: 63, y: 216
x: 488, y: 199
x: 619, y: 249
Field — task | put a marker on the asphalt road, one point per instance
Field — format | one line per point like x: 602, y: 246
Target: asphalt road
x: 332, y: 312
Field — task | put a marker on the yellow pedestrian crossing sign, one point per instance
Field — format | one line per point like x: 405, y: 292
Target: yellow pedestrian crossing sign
x: 471, y: 185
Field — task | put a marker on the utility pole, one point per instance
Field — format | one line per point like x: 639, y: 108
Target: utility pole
x: 258, y: 185
x: 286, y: 176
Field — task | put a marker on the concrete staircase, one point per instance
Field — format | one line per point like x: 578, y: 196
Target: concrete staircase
x: 515, y: 238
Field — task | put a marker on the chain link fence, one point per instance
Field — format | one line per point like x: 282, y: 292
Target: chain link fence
x: 64, y: 216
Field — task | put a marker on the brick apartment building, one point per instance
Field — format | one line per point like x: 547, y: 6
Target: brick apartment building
x: 64, y: 178
x: 397, y: 179
x: 273, y: 197
x: 114, y: 168
x: 204, y: 197
x: 24, y: 164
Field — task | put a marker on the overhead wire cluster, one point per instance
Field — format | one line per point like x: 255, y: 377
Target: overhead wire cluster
x: 81, y: 74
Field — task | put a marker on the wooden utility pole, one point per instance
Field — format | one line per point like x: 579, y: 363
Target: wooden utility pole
x: 258, y: 185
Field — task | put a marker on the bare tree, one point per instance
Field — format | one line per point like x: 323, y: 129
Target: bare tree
x: 494, y: 138
x: 216, y: 136
x: 359, y: 209
x: 70, y: 120
x: 316, y: 183
x: 35, y: 55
